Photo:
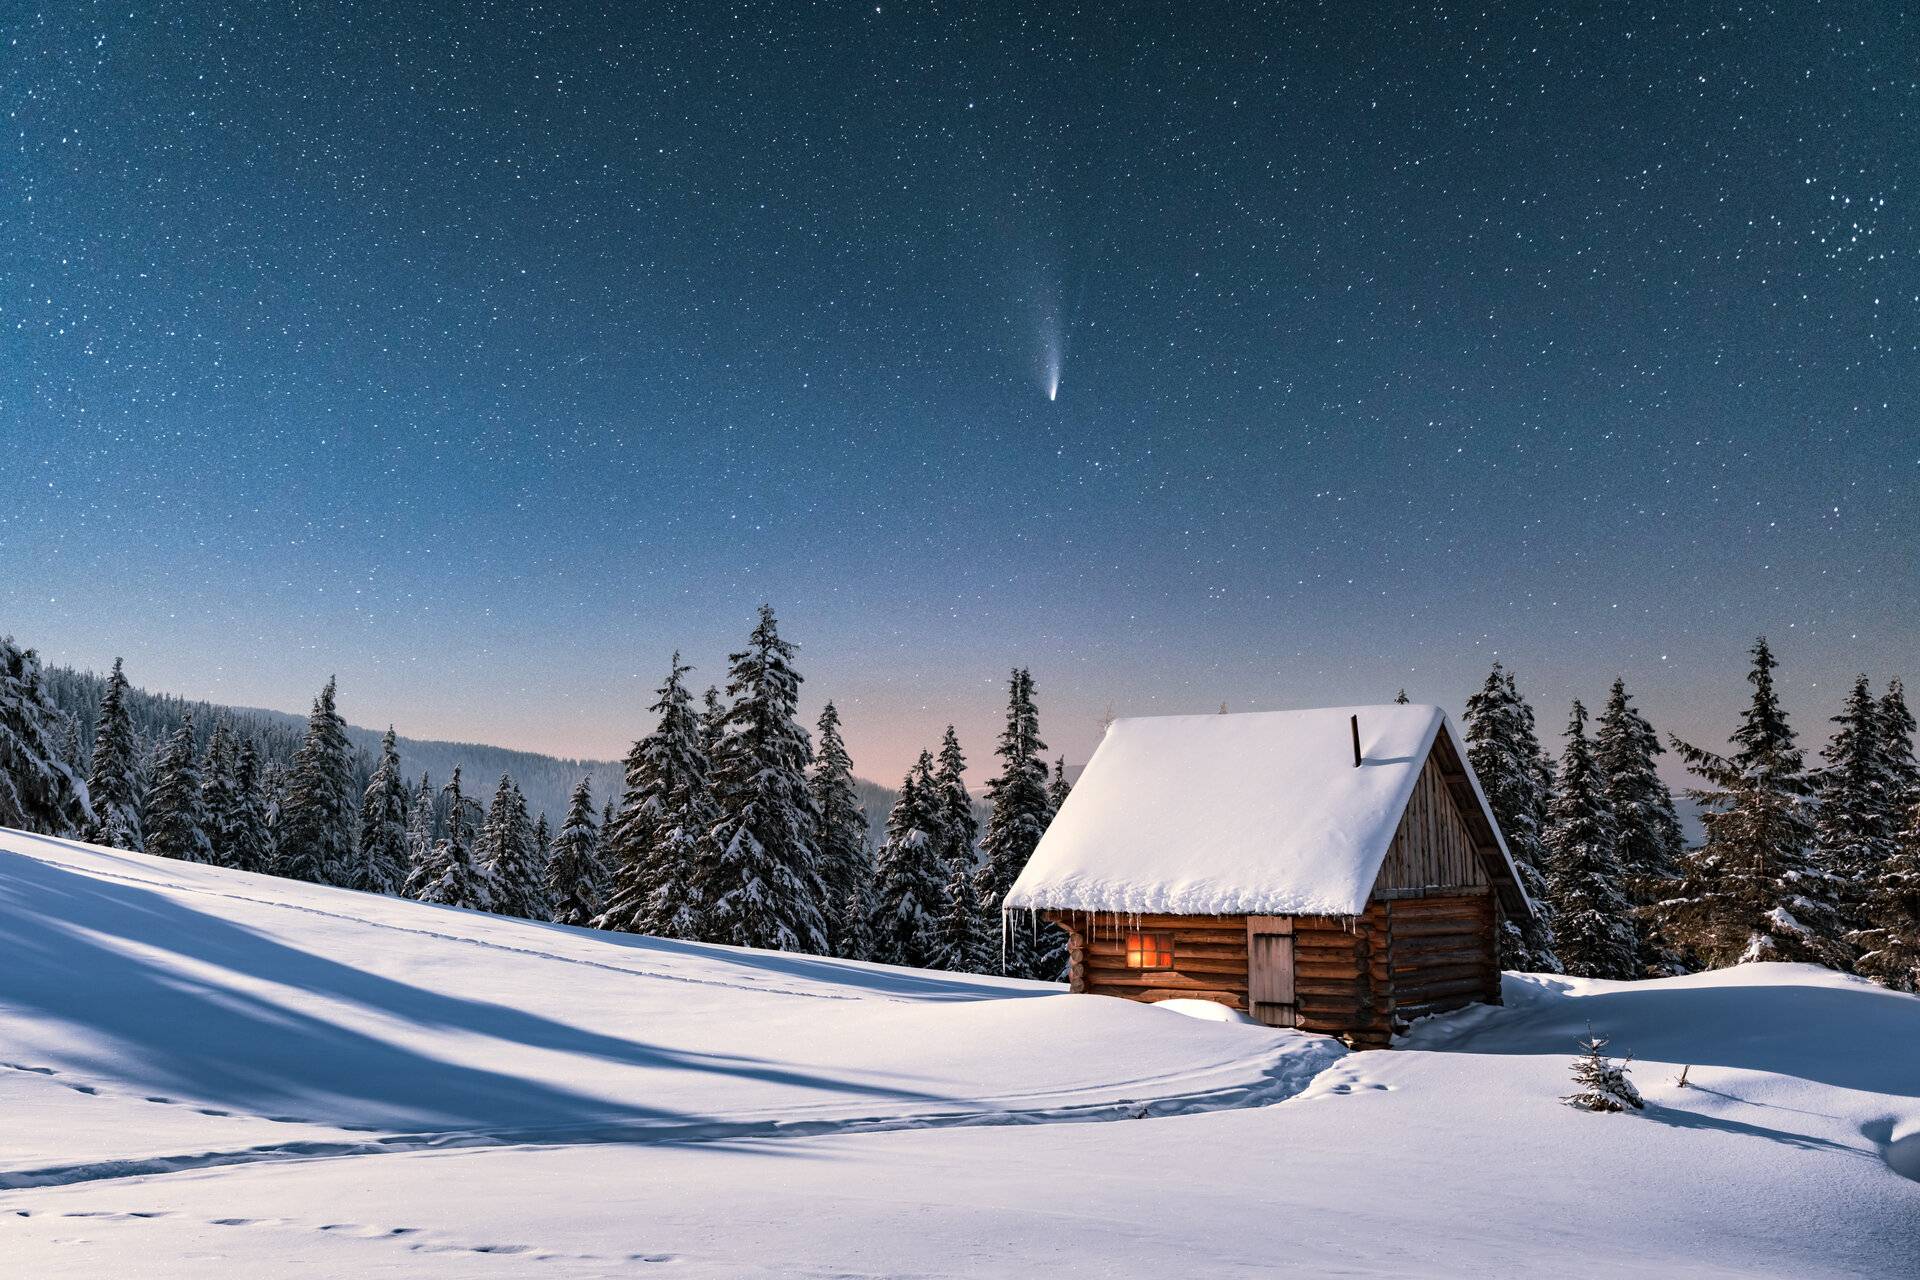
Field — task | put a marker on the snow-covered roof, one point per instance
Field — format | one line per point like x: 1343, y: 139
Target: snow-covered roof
x: 1260, y: 813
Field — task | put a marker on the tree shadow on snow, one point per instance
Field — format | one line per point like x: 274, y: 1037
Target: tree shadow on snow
x: 1682, y: 1119
x: 854, y: 975
x: 879, y: 979
x: 149, y: 977
x: 1852, y: 1036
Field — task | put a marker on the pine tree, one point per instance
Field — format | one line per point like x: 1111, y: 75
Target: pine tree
x: 39, y: 789
x: 176, y: 820
x: 421, y: 833
x: 1059, y: 788
x: 602, y: 866
x: 713, y: 721
x: 1593, y: 928
x: 243, y: 827
x: 843, y: 829
x: 516, y: 872
x: 1751, y: 891
x: 451, y: 875
x: 1890, y: 944
x: 316, y: 836
x: 219, y: 799
x: 113, y: 777
x: 656, y: 849
x: 1019, y: 818
x: 1505, y: 753
x: 573, y: 875
x: 627, y: 839
x: 70, y: 748
x: 273, y: 805
x: 761, y: 884
x: 1603, y: 1083
x: 384, y: 856
x: 1855, y: 829
x: 1401, y: 698
x: 855, y: 927
x: 962, y: 944
x: 908, y: 888
x: 963, y: 927
x: 1650, y: 842
x: 1897, y: 764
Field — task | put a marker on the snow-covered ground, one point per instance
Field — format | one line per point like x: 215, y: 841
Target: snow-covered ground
x: 207, y: 1070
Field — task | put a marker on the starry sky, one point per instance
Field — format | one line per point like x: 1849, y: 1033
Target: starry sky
x: 1269, y: 355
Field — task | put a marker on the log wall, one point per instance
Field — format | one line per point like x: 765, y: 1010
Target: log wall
x: 1210, y: 957
x: 1360, y: 978
x: 1442, y: 953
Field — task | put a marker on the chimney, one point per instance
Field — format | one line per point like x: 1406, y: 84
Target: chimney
x: 1356, y: 742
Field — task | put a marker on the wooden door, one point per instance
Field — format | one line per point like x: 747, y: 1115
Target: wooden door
x: 1270, y: 995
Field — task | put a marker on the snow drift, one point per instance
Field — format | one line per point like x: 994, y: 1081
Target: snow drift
x: 206, y: 1072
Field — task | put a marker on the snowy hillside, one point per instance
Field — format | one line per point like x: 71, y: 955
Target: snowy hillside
x: 201, y: 1067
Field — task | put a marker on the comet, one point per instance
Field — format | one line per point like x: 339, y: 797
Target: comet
x: 1053, y: 345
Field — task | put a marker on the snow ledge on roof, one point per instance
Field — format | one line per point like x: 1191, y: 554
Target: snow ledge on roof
x: 1260, y: 813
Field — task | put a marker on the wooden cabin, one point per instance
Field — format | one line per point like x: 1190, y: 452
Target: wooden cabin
x: 1336, y: 870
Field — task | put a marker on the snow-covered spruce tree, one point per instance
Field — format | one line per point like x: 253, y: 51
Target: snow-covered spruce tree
x: 843, y: 827
x: 760, y: 884
x: 713, y: 721
x: 1897, y: 762
x: 965, y: 932
x: 452, y: 876
x: 39, y: 789
x: 908, y: 889
x: 317, y: 821
x: 273, y: 803
x: 384, y: 856
x: 219, y: 799
x: 1751, y: 891
x: 602, y: 868
x: 113, y: 775
x: 1890, y: 943
x: 247, y: 845
x: 573, y: 874
x: 657, y: 846
x: 1058, y: 788
x: 854, y: 913
x: 1602, y: 1084
x: 422, y: 833
x: 1505, y: 753
x: 626, y: 839
x: 70, y: 747
x: 516, y: 873
x: 176, y: 817
x: 963, y: 944
x: 1855, y: 825
x: 1593, y: 925
x: 1650, y: 840
x: 1019, y: 818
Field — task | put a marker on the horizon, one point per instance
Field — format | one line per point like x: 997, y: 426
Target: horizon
x: 1808, y: 716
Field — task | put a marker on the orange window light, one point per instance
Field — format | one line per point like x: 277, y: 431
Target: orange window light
x: 1149, y: 951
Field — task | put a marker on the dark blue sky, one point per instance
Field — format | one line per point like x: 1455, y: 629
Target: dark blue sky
x: 485, y: 353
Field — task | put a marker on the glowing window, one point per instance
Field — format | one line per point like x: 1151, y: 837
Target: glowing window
x: 1149, y: 951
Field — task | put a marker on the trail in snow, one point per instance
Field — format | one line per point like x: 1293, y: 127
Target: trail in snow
x: 1286, y: 1076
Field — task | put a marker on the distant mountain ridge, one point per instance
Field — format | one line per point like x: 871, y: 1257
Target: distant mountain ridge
x: 546, y: 781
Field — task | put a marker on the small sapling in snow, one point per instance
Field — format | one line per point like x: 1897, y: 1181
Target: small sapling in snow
x: 1603, y: 1083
